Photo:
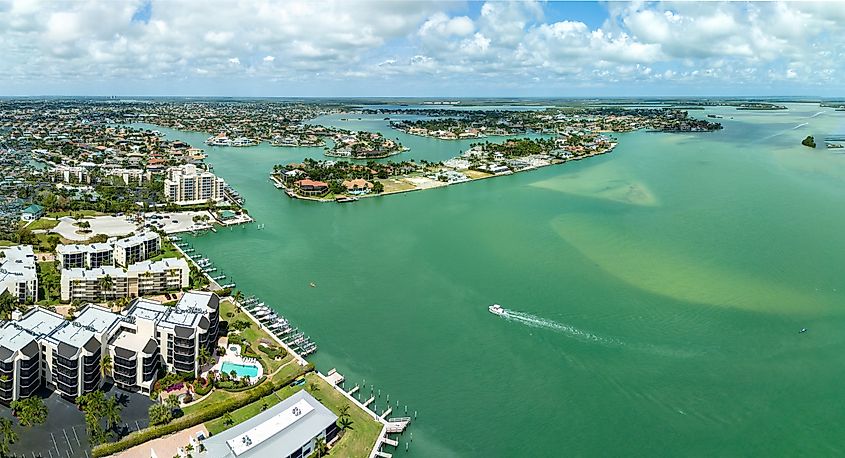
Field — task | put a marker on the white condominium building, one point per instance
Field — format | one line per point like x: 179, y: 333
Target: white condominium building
x: 18, y: 275
x: 121, y: 252
x: 136, y: 248
x: 139, y: 279
x: 85, y: 256
x: 45, y: 349
x: 188, y: 185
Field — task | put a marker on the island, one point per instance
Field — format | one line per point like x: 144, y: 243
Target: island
x: 343, y: 181
x: 363, y: 145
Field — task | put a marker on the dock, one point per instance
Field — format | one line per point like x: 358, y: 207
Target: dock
x: 398, y: 425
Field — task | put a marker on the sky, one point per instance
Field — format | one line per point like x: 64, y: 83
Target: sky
x: 357, y: 48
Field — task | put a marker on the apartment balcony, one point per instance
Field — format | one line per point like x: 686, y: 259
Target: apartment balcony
x: 65, y: 372
x: 30, y: 384
x: 68, y: 389
x: 126, y: 380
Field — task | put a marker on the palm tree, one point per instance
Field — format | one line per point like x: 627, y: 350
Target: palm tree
x: 203, y: 357
x: 112, y: 410
x: 8, y: 436
x: 344, y: 423
x: 227, y: 419
x: 106, y: 284
x: 172, y: 402
x: 106, y: 366
x: 237, y: 297
x: 320, y: 448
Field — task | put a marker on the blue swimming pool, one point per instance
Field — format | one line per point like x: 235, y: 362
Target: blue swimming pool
x: 241, y: 369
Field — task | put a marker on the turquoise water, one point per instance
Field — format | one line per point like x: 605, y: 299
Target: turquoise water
x: 243, y: 370
x: 656, y: 292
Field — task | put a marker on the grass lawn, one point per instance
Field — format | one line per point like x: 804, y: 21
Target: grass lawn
x: 251, y: 334
x: 358, y: 441
x: 245, y: 413
x: 168, y: 250
x: 75, y: 213
x: 7, y: 243
x: 43, y: 223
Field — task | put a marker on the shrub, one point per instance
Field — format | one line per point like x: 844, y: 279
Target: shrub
x: 216, y: 411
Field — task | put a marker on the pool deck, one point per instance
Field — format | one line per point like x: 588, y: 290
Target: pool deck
x: 234, y: 357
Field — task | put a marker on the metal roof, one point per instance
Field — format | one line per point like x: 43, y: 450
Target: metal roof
x: 276, y: 432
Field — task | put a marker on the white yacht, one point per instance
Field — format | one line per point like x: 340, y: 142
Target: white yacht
x: 497, y: 309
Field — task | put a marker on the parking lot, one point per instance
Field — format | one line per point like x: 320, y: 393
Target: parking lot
x: 63, y: 434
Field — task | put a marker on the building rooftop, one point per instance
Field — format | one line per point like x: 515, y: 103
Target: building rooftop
x: 278, y: 431
x: 158, y: 266
x: 135, y: 239
x: 18, y: 265
x: 41, y: 322
x: 78, y: 273
x: 15, y: 338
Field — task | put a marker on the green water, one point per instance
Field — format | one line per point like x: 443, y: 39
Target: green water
x: 660, y: 290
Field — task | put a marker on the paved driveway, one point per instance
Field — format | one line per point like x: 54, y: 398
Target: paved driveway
x: 63, y: 435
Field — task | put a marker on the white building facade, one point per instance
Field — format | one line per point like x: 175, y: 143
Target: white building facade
x: 188, y: 185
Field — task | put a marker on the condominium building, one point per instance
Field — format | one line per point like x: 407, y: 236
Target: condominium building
x: 85, y: 256
x: 139, y: 247
x: 44, y: 349
x: 141, y: 278
x: 18, y: 275
x: 188, y: 185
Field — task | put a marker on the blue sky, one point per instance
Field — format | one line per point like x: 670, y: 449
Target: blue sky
x: 420, y: 48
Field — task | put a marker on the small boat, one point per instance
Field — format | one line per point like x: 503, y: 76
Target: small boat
x: 802, y: 331
x: 497, y: 309
x: 312, y: 284
x: 345, y: 199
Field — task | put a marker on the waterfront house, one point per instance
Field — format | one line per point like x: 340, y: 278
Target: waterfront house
x: 289, y: 429
x: 308, y: 187
x: 358, y: 185
x: 32, y: 213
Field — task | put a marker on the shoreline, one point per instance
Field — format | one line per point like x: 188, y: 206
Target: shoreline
x: 278, y: 184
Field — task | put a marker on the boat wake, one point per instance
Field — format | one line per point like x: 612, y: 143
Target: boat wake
x: 570, y: 331
x: 818, y: 114
x: 589, y: 337
x: 800, y: 125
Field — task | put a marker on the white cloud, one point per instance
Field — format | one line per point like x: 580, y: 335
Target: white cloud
x: 506, y: 43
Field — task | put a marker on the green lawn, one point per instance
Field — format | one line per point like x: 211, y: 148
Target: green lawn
x: 168, y: 250
x: 43, y: 223
x: 358, y: 441
x: 74, y: 213
x: 251, y: 335
x: 7, y: 243
x: 361, y: 439
x: 244, y: 413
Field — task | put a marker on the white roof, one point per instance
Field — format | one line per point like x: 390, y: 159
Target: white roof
x: 277, y: 424
x: 135, y: 239
x: 78, y: 273
x: 158, y: 266
x: 17, y: 266
x: 40, y: 321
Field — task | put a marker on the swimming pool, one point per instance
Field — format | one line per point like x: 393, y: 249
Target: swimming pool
x: 241, y: 369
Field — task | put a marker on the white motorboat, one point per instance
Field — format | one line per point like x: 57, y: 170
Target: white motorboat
x: 497, y: 309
